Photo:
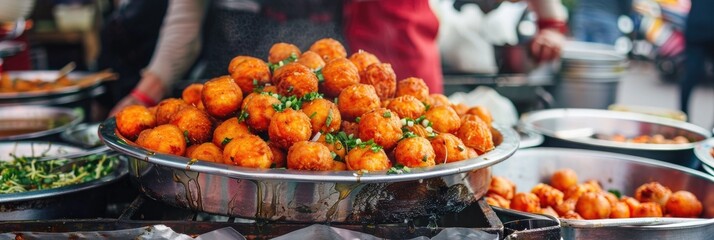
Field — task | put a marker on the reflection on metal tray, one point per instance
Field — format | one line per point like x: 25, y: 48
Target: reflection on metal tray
x: 625, y: 173
x: 703, y: 151
x: 327, y: 196
x: 84, y: 135
x: 31, y: 122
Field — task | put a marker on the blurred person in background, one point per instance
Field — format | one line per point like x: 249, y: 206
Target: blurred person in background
x: 400, y: 32
x: 596, y: 20
x: 699, y: 37
x: 128, y: 39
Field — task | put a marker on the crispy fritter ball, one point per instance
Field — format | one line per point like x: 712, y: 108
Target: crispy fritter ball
x: 192, y: 94
x: 366, y: 159
x: 653, y: 192
x: 684, y: 204
x: 564, y: 179
x: 592, y: 185
x: 228, y: 130
x: 382, y: 77
x: 288, y: 127
x: 611, y: 198
x: 165, y: 138
x: 407, y: 107
x: 362, y: 59
x: 270, y: 89
x: 567, y: 206
x: 281, y: 51
x: 419, y: 130
x: 339, y: 74
x: 497, y: 200
x: 449, y: 148
x: 324, y: 115
x: 259, y: 109
x: 386, y: 102
x: 549, y: 211
x: 526, y: 202
x: 133, y: 119
x: 619, y: 210
x: 280, y: 157
x: 382, y: 126
x: 235, y: 62
x: 166, y: 109
x: 206, y: 152
x: 297, y: 83
x: 502, y: 187
x: 328, y: 49
x: 339, y: 166
x: 350, y: 128
x: 632, y: 203
x: 288, y: 69
x: 593, y: 206
x: 444, y: 119
x: 413, y: 86
x: 549, y: 196
x: 414, y: 152
x: 334, y: 146
x: 311, y: 60
x: 222, y: 97
x: 250, y: 73
x: 194, y: 123
x: 356, y: 100
x: 313, y: 156
x: 438, y: 99
x: 477, y: 135
x: 574, y: 192
x: 647, y: 209
x: 460, y: 109
x: 248, y: 151
x: 481, y: 112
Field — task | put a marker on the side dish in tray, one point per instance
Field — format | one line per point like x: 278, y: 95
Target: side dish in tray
x: 316, y: 110
x: 566, y: 198
x: 26, y: 173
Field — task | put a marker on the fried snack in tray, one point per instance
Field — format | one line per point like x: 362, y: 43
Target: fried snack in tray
x: 588, y: 200
x: 315, y: 111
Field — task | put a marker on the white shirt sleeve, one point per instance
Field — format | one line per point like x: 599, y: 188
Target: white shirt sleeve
x: 179, y: 42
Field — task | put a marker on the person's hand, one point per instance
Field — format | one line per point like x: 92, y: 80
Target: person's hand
x: 546, y: 45
x: 148, y: 92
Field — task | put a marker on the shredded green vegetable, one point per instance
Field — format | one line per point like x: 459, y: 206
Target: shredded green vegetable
x: 22, y: 174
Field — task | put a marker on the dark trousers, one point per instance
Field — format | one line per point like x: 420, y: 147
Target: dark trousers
x: 696, y: 55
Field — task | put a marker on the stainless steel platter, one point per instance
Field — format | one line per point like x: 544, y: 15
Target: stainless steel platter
x: 577, y: 128
x: 625, y: 173
x: 32, y: 122
x: 77, y: 200
x: 291, y: 195
x: 84, y: 135
x: 61, y: 96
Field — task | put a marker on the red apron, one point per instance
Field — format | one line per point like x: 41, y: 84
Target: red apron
x: 400, y: 32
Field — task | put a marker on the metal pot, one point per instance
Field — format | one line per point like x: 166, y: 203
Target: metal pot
x: 305, y: 196
x: 36, y: 122
x: 529, y: 167
x: 576, y: 128
x: 703, y: 152
x: 74, y: 201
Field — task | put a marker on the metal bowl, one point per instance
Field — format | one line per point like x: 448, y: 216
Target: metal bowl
x: 73, y: 201
x: 33, y: 122
x: 306, y: 196
x: 529, y: 167
x: 576, y: 128
x: 702, y: 151
x: 85, y: 135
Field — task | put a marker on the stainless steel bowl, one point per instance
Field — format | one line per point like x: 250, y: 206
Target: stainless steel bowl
x: 702, y: 151
x: 85, y: 135
x: 529, y: 167
x: 73, y: 201
x: 33, y: 122
x: 291, y: 195
x: 576, y: 128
